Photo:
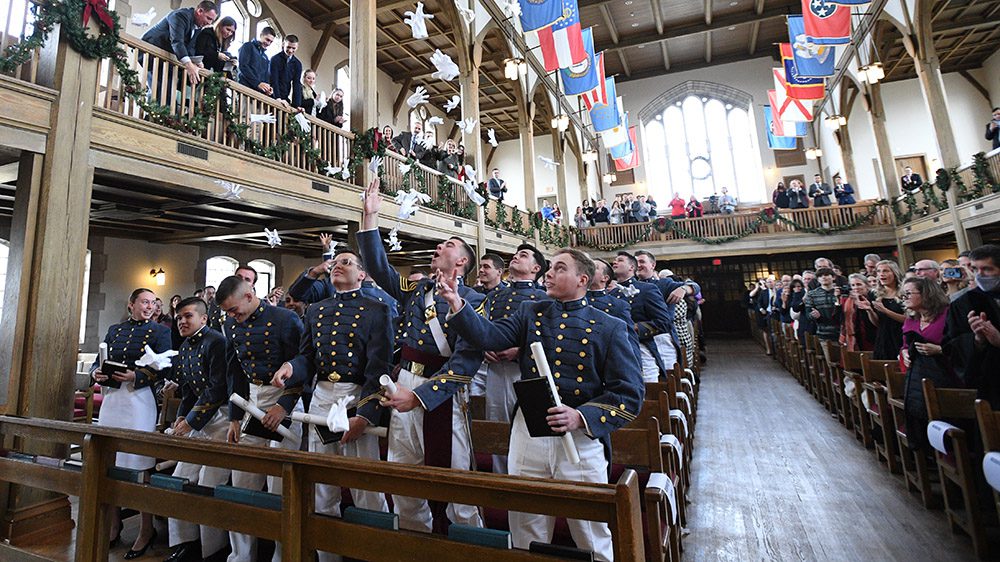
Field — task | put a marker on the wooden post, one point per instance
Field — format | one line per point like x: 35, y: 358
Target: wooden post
x: 526, y: 132
x: 473, y: 142
x: 557, y: 155
x: 49, y: 242
x: 876, y: 112
x: 364, y: 72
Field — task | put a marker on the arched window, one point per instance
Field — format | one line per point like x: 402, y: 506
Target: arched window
x: 236, y: 11
x: 265, y: 276
x: 218, y: 268
x: 700, y: 138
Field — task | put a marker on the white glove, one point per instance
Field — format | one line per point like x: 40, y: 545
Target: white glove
x: 404, y: 168
x: 338, y: 422
x: 446, y: 68
x: 300, y: 118
x: 435, y: 120
x: 467, y: 15
x: 374, y: 164
x: 455, y: 102
x: 418, y: 97
x: 511, y: 8
x: 491, y: 137
x: 467, y: 125
x: 157, y: 361
x: 262, y: 118
x: 417, y: 21
x: 272, y: 237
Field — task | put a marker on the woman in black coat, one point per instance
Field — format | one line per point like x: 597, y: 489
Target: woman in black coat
x: 213, y: 42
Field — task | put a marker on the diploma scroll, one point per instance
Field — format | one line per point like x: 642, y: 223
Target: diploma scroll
x: 538, y: 353
x: 259, y: 414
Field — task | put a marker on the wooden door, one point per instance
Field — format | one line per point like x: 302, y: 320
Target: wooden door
x: 916, y: 161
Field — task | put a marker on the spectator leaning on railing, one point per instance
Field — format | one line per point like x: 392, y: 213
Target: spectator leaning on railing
x: 285, y: 71
x: 176, y: 33
x: 993, y: 129
x: 254, y: 66
x: 213, y: 42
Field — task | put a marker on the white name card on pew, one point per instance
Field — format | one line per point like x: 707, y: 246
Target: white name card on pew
x: 677, y: 414
x: 936, y: 431
x: 673, y: 441
x: 663, y: 482
x: 991, y: 469
x: 687, y: 401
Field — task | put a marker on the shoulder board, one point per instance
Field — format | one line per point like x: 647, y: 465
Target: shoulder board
x: 406, y: 285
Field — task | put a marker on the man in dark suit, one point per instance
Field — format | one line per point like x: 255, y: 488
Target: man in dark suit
x: 407, y: 142
x: 971, y: 340
x: 496, y: 185
x: 176, y: 32
x: 820, y: 192
x: 993, y: 129
x: 911, y: 181
x: 286, y: 73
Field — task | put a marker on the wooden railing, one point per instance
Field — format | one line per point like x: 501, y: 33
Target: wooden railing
x: 431, y: 179
x: 16, y: 18
x: 929, y: 199
x: 168, y: 83
x: 512, y: 214
x: 718, y: 226
x: 295, y: 523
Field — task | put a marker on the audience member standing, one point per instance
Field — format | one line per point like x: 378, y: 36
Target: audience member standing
x: 780, y: 196
x: 677, y: 207
x: 972, y: 339
x: 910, y: 181
x: 212, y: 44
x: 176, y: 34
x: 822, y: 304
x: 954, y: 278
x: 727, y: 203
x: 616, y: 214
x: 887, y: 312
x: 601, y: 213
x: 254, y: 66
x: 923, y: 334
x: 820, y: 192
x: 993, y: 129
x: 857, y: 331
x: 286, y: 73
x: 652, y: 208
x: 843, y: 191
x: 797, y: 198
x: 496, y: 186
x: 694, y: 207
x: 309, y: 91
x: 333, y: 113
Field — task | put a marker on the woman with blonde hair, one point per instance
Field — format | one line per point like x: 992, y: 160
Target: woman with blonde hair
x: 857, y: 332
x: 887, y: 311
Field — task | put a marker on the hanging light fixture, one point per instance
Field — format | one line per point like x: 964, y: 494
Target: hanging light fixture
x: 514, y: 67
x: 873, y: 72
x: 560, y: 122
x: 834, y: 122
x: 590, y: 155
x: 610, y: 178
x: 813, y: 153
x: 159, y: 275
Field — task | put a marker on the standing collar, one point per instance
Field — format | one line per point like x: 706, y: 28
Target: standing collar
x: 573, y: 304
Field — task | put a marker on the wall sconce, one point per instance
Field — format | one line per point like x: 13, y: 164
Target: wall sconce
x: 159, y: 275
x: 560, y: 122
x: 610, y: 178
x: 514, y: 68
x: 590, y: 156
x: 835, y: 122
x: 813, y: 153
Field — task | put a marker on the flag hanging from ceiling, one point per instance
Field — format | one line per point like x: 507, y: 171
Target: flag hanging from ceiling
x: 786, y: 107
x: 618, y: 140
x: 827, y: 23
x: 598, y: 95
x: 605, y: 116
x: 536, y: 14
x: 802, y: 87
x: 798, y: 90
x: 562, y: 42
x: 632, y: 161
x: 581, y: 78
x: 775, y: 141
x: 811, y: 60
x: 786, y: 128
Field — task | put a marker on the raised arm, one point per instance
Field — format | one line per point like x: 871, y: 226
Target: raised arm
x: 370, y: 245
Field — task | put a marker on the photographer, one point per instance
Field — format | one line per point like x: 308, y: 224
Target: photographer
x: 954, y: 279
x: 993, y: 129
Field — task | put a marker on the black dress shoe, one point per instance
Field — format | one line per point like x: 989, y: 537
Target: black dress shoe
x: 184, y: 552
x: 142, y: 551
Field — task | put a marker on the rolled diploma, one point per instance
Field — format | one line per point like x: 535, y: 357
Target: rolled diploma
x: 102, y: 354
x: 386, y: 381
x: 538, y: 353
x: 259, y: 414
x: 313, y: 419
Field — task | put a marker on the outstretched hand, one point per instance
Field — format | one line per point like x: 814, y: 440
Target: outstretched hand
x: 371, y: 204
x: 447, y: 288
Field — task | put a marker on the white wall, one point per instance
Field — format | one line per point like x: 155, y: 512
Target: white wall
x: 989, y: 75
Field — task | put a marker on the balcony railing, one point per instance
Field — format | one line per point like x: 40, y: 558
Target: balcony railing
x: 16, y: 18
x: 866, y: 214
x: 929, y: 199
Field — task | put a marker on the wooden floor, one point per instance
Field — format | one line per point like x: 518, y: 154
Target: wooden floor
x: 775, y: 477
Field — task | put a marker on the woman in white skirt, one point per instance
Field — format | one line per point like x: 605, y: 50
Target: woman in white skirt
x: 133, y: 406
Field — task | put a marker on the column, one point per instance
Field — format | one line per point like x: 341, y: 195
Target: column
x: 843, y: 137
x: 362, y: 61
x: 557, y: 155
x: 876, y: 112
x: 44, y: 286
x: 473, y: 142
x: 526, y: 132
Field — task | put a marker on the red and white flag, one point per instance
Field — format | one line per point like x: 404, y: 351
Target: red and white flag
x: 787, y: 108
x: 562, y: 42
x: 598, y: 95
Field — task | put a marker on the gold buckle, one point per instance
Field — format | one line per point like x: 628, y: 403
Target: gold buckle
x: 417, y: 368
x: 430, y: 313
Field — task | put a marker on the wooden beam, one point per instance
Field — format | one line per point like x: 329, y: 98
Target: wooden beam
x: 8, y: 172
x: 404, y: 90
x: 975, y: 84
x: 721, y: 22
x: 954, y: 48
x: 606, y: 13
x: 708, y: 12
x: 940, y: 10
x: 489, y: 158
x: 986, y: 43
x: 657, y: 15
x: 343, y: 15
x: 969, y: 6
x: 324, y: 40
x: 666, y: 55
x: 695, y: 65
x: 624, y: 61
x: 708, y: 47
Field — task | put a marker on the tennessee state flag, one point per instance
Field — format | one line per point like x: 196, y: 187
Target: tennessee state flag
x: 562, y: 42
x: 599, y: 95
x: 799, y: 86
x: 827, y: 23
x: 631, y: 160
x: 536, y: 14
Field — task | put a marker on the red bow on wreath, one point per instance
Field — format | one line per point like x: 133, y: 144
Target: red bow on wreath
x: 99, y: 8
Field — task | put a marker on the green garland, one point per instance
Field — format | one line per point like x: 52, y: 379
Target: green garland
x: 984, y: 182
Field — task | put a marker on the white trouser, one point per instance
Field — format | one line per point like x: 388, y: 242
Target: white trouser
x: 500, y: 399
x: 478, y: 386
x: 543, y: 457
x: 650, y: 370
x: 406, y: 445
x: 245, y: 546
x: 212, y: 539
x: 668, y: 353
x: 365, y: 447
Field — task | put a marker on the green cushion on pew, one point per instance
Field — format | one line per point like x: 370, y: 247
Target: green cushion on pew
x: 248, y: 497
x: 495, y: 538
x: 125, y: 474
x: 371, y: 518
x: 168, y: 482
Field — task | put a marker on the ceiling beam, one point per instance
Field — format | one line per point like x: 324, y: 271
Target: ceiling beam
x: 343, y: 15
x: 624, y: 61
x: 606, y: 13
x: 404, y: 91
x: 229, y: 233
x: 721, y: 22
x: 657, y: 15
x: 754, y: 32
x: 324, y: 40
x: 708, y: 47
x: 695, y: 65
x: 954, y: 48
x: 666, y: 55
x: 708, y: 12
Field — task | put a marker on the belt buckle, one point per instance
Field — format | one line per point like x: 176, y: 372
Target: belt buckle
x: 417, y: 368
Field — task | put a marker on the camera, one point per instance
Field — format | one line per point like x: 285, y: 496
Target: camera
x: 953, y: 273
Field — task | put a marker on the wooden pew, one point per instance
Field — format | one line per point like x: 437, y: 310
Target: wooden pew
x: 672, y: 444
x: 635, y: 447
x: 852, y: 370
x: 916, y: 472
x: 296, y: 525
x: 835, y: 375
x: 879, y: 411
x: 956, y: 466
x: 989, y: 429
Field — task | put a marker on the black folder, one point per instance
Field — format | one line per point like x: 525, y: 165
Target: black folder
x: 534, y: 398
x: 257, y: 429
x: 109, y: 368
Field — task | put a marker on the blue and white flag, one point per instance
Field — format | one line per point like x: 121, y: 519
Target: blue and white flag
x: 775, y: 142
x: 811, y: 59
x: 536, y: 14
x: 581, y: 78
x: 605, y: 116
x: 621, y: 150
